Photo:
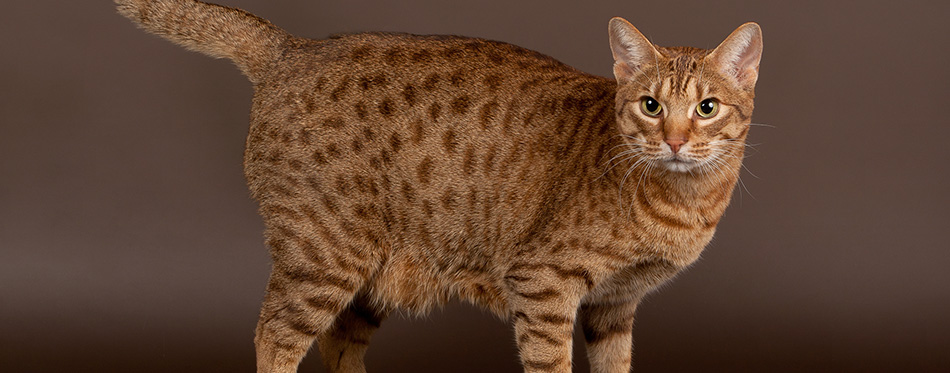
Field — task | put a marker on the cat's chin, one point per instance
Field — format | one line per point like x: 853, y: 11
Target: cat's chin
x: 679, y: 165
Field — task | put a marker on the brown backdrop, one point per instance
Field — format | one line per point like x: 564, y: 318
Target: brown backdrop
x: 128, y: 241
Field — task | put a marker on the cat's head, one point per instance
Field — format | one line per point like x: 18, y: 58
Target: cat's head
x: 685, y: 108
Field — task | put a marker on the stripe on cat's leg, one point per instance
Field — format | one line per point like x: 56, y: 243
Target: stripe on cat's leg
x: 312, y: 282
x: 544, y: 306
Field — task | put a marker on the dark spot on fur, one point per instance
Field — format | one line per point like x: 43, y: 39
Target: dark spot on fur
x: 409, y: 94
x: 449, y: 141
x: 424, y: 171
x: 461, y: 104
x: 431, y: 82
x: 434, y: 111
x: 457, y: 79
x: 319, y: 157
x: 333, y: 151
x: 496, y: 58
x: 486, y: 114
x: 493, y: 81
x: 448, y: 200
x: 473, y: 46
x: 321, y: 84
x: 468, y: 163
x: 408, y: 192
x: 421, y: 56
x: 418, y: 132
x: 395, y: 143
x: 375, y: 81
x: 394, y: 56
x: 275, y: 156
x: 360, y: 109
x: 453, y: 53
x: 340, y: 89
x: 489, y: 165
x: 386, y: 108
x: 361, y: 53
x: 427, y: 209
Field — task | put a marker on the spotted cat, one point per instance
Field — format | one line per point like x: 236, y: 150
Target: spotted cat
x: 399, y: 171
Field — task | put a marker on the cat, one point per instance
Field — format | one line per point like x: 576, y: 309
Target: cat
x: 399, y: 171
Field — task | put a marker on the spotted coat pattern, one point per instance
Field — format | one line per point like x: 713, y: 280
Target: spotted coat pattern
x: 399, y: 171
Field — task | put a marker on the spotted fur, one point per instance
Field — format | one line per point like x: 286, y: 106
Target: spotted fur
x: 399, y: 171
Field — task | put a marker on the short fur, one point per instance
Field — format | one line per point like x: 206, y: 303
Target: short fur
x: 399, y: 171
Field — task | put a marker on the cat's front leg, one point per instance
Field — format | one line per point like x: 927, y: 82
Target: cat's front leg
x: 544, y: 308
x: 608, y: 330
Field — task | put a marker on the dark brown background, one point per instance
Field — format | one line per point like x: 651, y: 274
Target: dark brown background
x: 128, y: 241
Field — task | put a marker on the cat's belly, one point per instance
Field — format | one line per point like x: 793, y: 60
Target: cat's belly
x: 416, y: 283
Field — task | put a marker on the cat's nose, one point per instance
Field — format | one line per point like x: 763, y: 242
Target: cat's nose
x: 675, y: 144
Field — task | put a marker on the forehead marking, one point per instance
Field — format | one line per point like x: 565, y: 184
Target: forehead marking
x: 692, y: 91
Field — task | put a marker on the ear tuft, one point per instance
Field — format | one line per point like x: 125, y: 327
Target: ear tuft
x: 738, y: 56
x: 631, y: 50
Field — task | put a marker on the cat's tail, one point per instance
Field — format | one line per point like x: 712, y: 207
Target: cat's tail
x: 251, y: 42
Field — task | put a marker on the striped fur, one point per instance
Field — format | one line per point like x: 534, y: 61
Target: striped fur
x: 398, y: 171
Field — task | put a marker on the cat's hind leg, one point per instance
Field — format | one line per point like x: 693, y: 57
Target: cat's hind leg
x: 344, y: 345
x: 313, y: 281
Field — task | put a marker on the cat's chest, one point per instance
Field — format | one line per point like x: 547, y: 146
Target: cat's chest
x: 650, y: 255
x: 681, y: 247
x: 632, y: 282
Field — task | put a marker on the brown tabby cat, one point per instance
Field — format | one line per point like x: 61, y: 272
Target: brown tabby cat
x: 401, y: 171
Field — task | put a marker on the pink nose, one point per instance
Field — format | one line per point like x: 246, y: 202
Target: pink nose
x: 675, y: 144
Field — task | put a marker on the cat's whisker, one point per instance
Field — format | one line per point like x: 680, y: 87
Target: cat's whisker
x: 702, y: 69
x: 650, y: 167
x: 635, y: 143
x: 734, y: 172
x: 629, y: 156
x: 627, y: 174
x: 750, y: 171
x: 648, y: 88
x: 633, y: 149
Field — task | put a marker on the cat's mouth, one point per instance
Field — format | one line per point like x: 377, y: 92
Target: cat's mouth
x: 679, y: 164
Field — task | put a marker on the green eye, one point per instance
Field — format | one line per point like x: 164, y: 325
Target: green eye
x: 650, y: 106
x: 708, y: 108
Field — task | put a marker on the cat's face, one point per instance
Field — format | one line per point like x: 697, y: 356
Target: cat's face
x: 684, y: 109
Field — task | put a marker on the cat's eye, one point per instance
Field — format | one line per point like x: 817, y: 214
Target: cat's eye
x: 650, y: 106
x: 707, y: 108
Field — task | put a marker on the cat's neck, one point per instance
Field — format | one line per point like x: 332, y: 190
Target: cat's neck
x: 700, y: 196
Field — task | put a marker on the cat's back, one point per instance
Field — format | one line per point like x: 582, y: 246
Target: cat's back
x: 411, y: 105
x: 417, y: 53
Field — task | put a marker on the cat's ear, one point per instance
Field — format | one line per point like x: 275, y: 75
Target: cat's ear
x: 632, y: 51
x: 739, y: 55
